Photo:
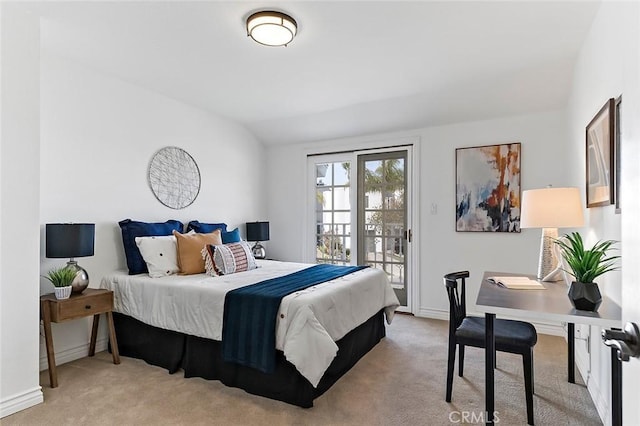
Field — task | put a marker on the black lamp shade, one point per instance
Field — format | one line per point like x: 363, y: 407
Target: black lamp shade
x: 68, y: 240
x: 257, y: 231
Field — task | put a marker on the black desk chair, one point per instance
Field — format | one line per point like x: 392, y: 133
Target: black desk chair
x: 516, y: 337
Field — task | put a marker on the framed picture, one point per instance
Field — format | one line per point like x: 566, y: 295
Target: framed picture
x: 617, y: 158
x: 488, y: 188
x: 599, y: 150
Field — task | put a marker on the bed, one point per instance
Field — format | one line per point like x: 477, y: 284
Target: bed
x: 176, y: 322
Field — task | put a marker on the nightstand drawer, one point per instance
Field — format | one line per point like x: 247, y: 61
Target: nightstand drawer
x: 82, y: 306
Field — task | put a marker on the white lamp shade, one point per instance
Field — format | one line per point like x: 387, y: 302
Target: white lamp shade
x: 271, y: 28
x: 551, y: 208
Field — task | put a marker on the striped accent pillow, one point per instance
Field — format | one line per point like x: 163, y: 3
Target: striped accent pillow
x: 228, y: 259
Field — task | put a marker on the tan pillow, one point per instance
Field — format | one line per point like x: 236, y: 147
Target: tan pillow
x: 190, y: 247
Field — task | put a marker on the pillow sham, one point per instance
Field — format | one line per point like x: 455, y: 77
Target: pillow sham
x: 190, y: 246
x: 160, y: 255
x: 231, y: 237
x: 205, y: 228
x: 132, y: 229
x: 228, y: 258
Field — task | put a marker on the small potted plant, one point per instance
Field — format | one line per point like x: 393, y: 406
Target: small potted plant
x: 61, y: 278
x: 586, y: 266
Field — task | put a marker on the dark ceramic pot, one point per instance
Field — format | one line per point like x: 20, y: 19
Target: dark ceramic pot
x: 585, y: 296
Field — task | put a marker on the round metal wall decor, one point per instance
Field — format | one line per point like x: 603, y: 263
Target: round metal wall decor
x: 174, y: 177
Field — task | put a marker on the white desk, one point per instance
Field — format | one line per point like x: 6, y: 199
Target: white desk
x: 530, y: 305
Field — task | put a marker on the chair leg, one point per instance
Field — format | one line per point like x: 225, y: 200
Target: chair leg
x: 450, y: 365
x: 533, y: 385
x: 527, y: 362
x: 460, y: 360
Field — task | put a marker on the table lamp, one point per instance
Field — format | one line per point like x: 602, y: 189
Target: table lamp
x: 258, y: 231
x: 550, y: 209
x: 71, y: 240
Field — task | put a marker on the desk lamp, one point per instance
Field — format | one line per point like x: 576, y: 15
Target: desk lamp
x: 550, y: 208
x: 70, y: 240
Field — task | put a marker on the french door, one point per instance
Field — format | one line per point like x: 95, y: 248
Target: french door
x: 382, y: 216
x: 360, y: 212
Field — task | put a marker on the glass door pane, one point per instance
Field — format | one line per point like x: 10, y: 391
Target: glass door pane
x: 333, y: 213
x: 382, y: 216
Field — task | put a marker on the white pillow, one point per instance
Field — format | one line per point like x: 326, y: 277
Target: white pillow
x: 160, y: 255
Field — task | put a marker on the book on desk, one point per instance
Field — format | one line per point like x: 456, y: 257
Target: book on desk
x: 516, y: 283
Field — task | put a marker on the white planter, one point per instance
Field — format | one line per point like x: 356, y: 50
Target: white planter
x: 63, y: 292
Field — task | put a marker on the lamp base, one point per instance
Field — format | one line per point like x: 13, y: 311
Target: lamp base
x: 258, y: 251
x: 81, y: 281
x: 548, y: 269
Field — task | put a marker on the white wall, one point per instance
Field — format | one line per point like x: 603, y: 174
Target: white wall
x: 98, y: 135
x: 606, y: 68
x: 19, y: 192
x: 442, y: 249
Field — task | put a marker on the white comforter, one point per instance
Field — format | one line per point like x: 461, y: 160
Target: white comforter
x: 309, y: 321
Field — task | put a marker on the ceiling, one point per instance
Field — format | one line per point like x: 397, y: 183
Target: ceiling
x: 354, y: 68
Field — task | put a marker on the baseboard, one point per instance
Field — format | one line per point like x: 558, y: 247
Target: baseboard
x: 20, y: 402
x: 71, y: 354
x: 552, y: 329
x: 549, y: 329
x: 433, y: 314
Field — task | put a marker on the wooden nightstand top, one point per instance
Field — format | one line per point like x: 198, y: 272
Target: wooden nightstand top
x: 86, y: 293
x: 90, y: 302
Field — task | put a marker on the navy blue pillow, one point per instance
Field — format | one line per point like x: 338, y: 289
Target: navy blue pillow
x: 206, y: 228
x: 132, y: 229
x: 231, y: 237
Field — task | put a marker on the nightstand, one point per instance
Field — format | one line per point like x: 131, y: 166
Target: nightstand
x: 89, y: 302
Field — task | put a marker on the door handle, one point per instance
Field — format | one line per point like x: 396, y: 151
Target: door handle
x: 626, y: 341
x: 407, y: 235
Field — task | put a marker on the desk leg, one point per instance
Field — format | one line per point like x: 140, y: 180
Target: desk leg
x: 48, y: 338
x: 490, y: 362
x: 616, y: 389
x: 571, y: 349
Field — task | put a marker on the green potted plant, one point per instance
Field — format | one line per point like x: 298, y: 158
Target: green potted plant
x: 61, y: 278
x: 586, y: 265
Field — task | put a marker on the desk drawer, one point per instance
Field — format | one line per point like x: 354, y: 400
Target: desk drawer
x: 82, y: 306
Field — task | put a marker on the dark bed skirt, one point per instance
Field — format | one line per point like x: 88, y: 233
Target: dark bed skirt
x: 200, y: 357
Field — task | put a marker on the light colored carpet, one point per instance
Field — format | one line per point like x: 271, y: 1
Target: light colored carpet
x: 400, y: 382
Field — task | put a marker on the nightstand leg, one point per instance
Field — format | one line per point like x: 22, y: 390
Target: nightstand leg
x: 48, y: 338
x: 112, y: 338
x: 94, y: 335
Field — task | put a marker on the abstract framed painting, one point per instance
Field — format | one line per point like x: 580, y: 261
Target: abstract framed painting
x: 617, y: 157
x: 600, y: 162
x: 488, y: 188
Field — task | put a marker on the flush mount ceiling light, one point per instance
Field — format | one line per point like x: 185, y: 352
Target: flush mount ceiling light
x: 271, y: 28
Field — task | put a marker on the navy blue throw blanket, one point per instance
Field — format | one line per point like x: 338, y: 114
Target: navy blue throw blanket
x: 250, y: 313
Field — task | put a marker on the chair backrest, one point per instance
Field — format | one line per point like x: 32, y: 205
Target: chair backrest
x: 457, y: 297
